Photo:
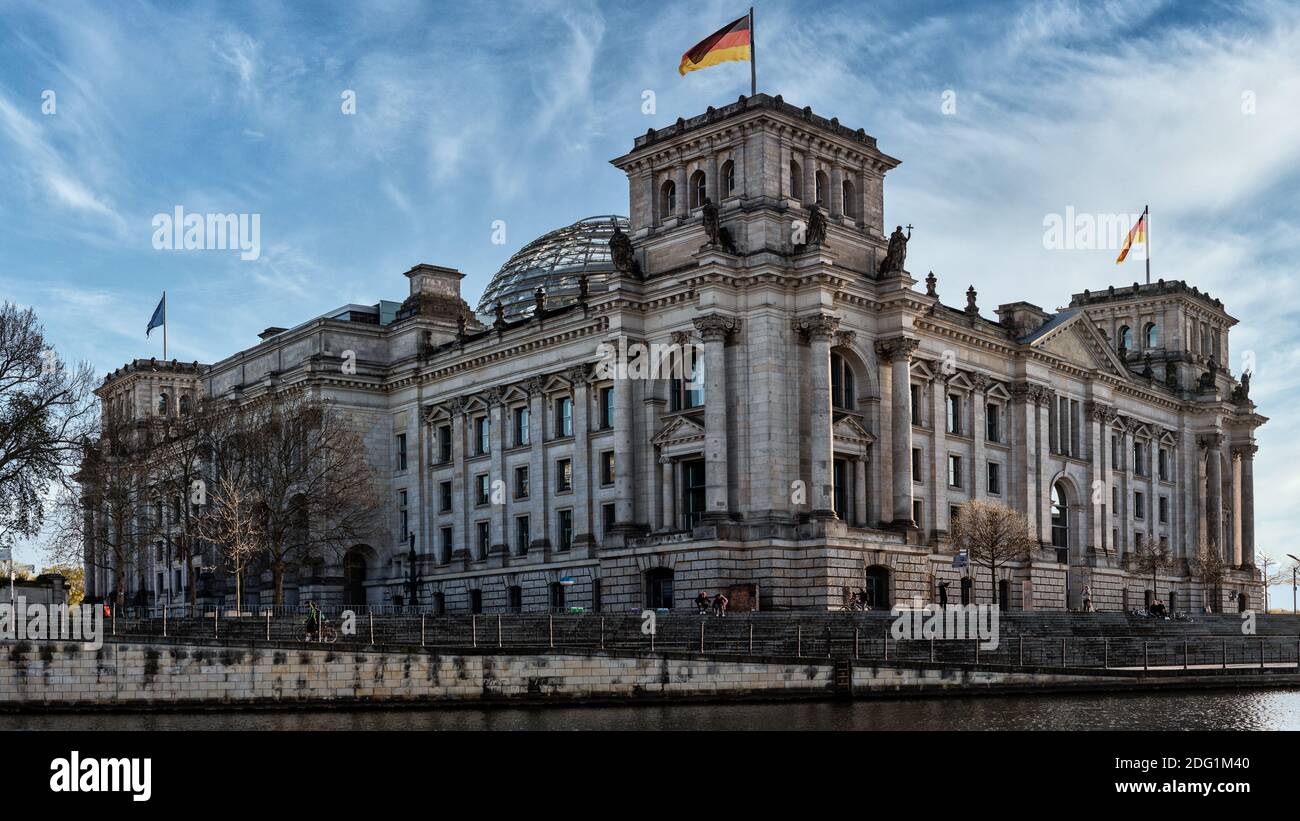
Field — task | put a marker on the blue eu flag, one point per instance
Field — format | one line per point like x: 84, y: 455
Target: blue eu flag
x: 159, y: 315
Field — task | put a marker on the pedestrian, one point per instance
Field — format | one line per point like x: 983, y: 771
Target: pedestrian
x: 720, y: 602
x: 943, y: 594
x: 702, y: 602
x: 1087, y: 599
x: 826, y: 636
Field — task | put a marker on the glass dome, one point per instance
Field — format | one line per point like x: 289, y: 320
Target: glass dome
x: 553, y: 261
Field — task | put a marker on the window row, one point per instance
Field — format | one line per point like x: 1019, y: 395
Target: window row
x: 521, y: 428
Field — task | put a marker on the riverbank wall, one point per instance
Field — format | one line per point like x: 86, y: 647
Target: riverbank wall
x: 192, y: 674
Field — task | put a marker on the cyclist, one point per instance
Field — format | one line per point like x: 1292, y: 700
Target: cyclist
x: 313, y: 621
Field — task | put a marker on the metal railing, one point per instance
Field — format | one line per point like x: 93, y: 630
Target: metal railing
x: 773, y: 634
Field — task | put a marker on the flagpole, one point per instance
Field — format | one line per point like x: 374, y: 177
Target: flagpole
x: 753, y: 56
x: 165, y: 325
x: 1146, y: 213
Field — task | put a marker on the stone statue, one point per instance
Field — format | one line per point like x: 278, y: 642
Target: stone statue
x: 1147, y: 371
x: 971, y: 307
x: 725, y: 240
x: 539, y: 299
x: 620, y: 252
x: 500, y: 311
x: 460, y: 325
x: 584, y: 287
x: 816, y: 226
x: 1245, y: 385
x: 931, y: 283
x: 712, y: 226
x: 896, y: 256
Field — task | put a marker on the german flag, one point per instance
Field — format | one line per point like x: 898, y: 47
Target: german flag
x: 731, y: 42
x: 1138, y: 233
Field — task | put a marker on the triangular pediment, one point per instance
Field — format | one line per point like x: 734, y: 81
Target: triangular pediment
x: 1077, y: 341
x: 848, y: 428
x: 679, y: 429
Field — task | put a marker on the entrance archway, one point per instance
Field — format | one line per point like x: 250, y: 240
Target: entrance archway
x: 1004, y: 594
x: 659, y: 588
x: 355, y: 569
x: 1243, y: 602
x: 966, y: 590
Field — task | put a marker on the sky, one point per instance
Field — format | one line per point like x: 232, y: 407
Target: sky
x: 470, y: 118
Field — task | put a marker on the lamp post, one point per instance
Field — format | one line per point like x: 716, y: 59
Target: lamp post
x: 412, y: 579
x: 1294, y: 567
x: 1267, y: 562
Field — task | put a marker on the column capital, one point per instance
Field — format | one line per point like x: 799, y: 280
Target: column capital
x: 818, y: 326
x: 979, y: 382
x: 494, y: 397
x: 1210, y: 441
x: 1032, y: 393
x: 534, y: 385
x: 680, y: 337
x: 715, y: 327
x: 578, y: 374
x: 1099, y: 412
x: 898, y: 348
x: 1245, y: 452
x: 665, y: 460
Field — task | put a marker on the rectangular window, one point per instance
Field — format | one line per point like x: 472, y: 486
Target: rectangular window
x: 1114, y: 454
x: 521, y: 426
x: 916, y: 464
x: 993, y: 422
x: 522, y: 535
x: 1114, y: 498
x: 1164, y: 465
x: 521, y: 482
x: 1164, y: 509
x: 692, y: 492
x: 444, y: 443
x: 954, y: 471
x: 445, y: 538
x: 606, y: 408
x: 401, y: 451
x: 403, y: 517
x: 954, y: 512
x: 918, y: 513
x: 484, y: 488
x: 484, y: 539
x: 564, y: 475
x: 607, y: 468
x: 607, y: 518
x: 444, y: 497
x: 1139, y: 505
x: 954, y: 413
x: 482, y: 428
x: 1139, y: 466
x: 564, y: 528
x: 564, y: 416
x: 915, y: 393
x: 994, y: 478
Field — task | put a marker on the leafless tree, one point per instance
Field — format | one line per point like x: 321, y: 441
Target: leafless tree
x: 993, y: 535
x: 1149, y: 555
x: 231, y: 523
x: 46, y: 409
x: 1209, y: 569
x: 180, y: 465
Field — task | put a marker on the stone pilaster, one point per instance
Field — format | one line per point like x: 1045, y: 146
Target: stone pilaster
x: 898, y: 353
x: 624, y: 453
x: 1212, y: 444
x: 714, y: 330
x: 820, y: 330
x: 582, y: 531
x: 539, y: 478
x: 1248, y: 504
x: 667, y: 489
x: 1099, y: 419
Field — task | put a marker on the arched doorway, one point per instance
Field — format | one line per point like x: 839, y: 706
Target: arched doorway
x: 1243, y: 602
x: 659, y: 588
x: 355, y: 563
x: 1004, y: 594
x: 1060, y: 520
x: 877, y: 588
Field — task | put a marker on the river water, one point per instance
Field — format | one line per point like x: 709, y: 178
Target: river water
x: 1188, y: 710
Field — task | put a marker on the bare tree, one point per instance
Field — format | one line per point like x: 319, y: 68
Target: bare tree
x: 231, y: 522
x: 179, y: 464
x: 993, y: 535
x: 1209, y: 569
x: 318, y: 496
x: 1149, y: 555
x: 45, y: 411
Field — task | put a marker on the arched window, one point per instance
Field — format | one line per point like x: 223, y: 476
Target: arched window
x: 1060, y: 517
x: 1126, y: 338
x: 698, y: 193
x: 843, y: 393
x: 1151, y: 335
x: 796, y: 181
x: 850, y: 200
x: 823, y: 188
x: 728, y: 178
x: 185, y: 404
x: 667, y: 199
x: 162, y: 404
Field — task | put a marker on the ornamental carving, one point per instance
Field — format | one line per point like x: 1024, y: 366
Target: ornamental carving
x: 534, y: 386
x: 1098, y: 412
x: 1033, y: 394
x: 1244, y: 451
x: 979, y: 382
x: 897, y: 349
x: 1210, y: 441
x: 715, y: 327
x: 680, y: 338
x: 821, y: 326
x: 578, y: 374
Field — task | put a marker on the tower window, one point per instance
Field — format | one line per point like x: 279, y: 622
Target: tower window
x: 729, y: 178
x: 796, y: 181
x: 698, y: 192
x: 667, y: 199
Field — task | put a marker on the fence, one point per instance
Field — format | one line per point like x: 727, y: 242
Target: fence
x: 778, y: 634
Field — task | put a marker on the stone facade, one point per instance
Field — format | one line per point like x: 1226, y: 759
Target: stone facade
x: 840, y: 416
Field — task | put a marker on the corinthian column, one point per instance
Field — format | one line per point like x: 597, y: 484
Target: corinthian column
x: 819, y: 330
x: 1247, y: 516
x: 714, y: 330
x: 898, y: 352
x: 1211, y: 443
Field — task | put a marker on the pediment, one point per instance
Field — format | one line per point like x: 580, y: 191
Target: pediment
x: 679, y: 429
x: 1077, y: 341
x: 848, y: 428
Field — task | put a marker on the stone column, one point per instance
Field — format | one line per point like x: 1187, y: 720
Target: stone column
x: 711, y: 182
x: 1045, y: 399
x: 539, y: 478
x: 819, y: 330
x: 714, y: 330
x: 459, y: 487
x: 939, y: 453
x: 497, y: 473
x: 669, y: 515
x: 898, y: 352
x: 1212, y: 444
x: 1247, y: 516
x: 1099, y: 417
x: 860, y: 491
x: 582, y: 531
x: 683, y: 195
x: 1236, y: 506
x: 836, y: 203
x: 979, y: 474
x: 624, y: 456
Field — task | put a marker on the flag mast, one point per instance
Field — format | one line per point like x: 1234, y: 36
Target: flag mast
x: 165, y: 323
x: 753, y: 56
x: 1146, y: 214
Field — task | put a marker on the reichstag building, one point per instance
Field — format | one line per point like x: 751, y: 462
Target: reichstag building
x: 814, y: 418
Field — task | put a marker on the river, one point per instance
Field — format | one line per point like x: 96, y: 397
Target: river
x: 1187, y: 710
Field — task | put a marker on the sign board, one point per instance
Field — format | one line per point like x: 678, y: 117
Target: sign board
x: 567, y: 581
x: 6, y: 554
x: 960, y: 560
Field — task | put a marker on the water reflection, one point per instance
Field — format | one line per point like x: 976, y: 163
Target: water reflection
x: 1200, y: 710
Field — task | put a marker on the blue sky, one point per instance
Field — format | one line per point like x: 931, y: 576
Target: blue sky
x: 469, y: 113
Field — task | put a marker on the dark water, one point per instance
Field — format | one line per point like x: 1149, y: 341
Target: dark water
x: 1193, y: 710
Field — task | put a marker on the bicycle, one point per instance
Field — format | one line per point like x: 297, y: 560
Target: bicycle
x: 326, y: 635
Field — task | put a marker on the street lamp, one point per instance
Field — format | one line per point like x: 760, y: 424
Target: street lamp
x: 1294, y: 567
x: 412, y: 579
